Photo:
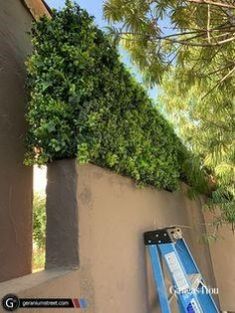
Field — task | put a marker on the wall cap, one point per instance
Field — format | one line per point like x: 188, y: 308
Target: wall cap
x: 28, y: 282
x: 37, y: 8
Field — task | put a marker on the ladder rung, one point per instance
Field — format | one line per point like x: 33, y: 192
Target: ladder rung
x: 195, y: 280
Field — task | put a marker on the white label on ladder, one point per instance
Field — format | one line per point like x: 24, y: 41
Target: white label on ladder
x: 177, y: 271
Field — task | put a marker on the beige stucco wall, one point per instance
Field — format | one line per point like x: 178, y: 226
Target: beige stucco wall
x: 15, y: 178
x: 107, y: 226
x: 223, y: 260
x: 113, y: 214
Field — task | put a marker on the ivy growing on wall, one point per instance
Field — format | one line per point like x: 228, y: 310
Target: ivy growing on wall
x: 85, y: 104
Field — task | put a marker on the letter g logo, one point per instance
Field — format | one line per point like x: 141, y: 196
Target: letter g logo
x: 10, y: 302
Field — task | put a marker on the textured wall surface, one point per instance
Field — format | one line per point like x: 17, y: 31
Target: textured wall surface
x: 223, y: 260
x: 112, y: 216
x: 101, y: 217
x: 62, y: 216
x: 15, y: 178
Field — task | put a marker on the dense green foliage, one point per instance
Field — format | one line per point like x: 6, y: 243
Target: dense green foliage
x: 39, y: 232
x: 188, y: 46
x: 85, y: 104
x: 39, y: 221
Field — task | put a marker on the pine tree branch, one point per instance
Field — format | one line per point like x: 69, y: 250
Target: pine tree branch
x: 218, y: 4
x: 220, y: 69
x: 208, y: 23
x: 220, y: 82
x: 185, y: 42
x: 193, y: 44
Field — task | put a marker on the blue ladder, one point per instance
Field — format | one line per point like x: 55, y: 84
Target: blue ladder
x: 192, y: 295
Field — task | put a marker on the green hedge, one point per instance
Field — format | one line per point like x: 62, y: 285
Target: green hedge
x: 39, y: 221
x: 85, y: 104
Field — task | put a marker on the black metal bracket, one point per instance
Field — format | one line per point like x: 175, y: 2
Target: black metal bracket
x: 161, y: 236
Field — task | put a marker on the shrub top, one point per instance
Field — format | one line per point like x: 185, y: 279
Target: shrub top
x: 85, y: 104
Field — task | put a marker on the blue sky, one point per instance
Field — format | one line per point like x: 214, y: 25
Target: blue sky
x: 94, y: 7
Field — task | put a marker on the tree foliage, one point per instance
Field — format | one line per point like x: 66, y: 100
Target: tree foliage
x: 209, y: 130
x: 39, y: 221
x: 206, y: 26
x: 85, y: 104
x: 192, y: 56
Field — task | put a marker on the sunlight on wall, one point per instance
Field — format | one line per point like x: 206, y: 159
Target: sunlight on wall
x: 39, y: 179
